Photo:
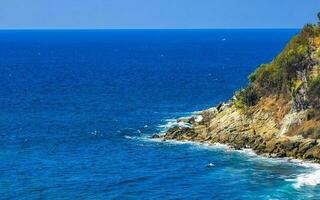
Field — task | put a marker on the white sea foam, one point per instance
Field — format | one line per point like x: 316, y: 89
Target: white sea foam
x: 213, y: 146
x: 198, y: 118
x: 307, y: 179
x: 129, y: 137
x: 197, y: 112
x: 210, y: 165
x: 311, y: 178
x: 247, y: 151
x: 170, y: 123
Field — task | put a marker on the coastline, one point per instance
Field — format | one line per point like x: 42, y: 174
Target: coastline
x: 222, y: 125
x: 276, y: 115
x: 309, y: 178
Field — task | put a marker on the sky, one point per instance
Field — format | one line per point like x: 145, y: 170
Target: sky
x: 156, y: 14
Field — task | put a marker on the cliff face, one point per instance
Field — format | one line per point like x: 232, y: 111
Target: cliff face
x: 277, y: 114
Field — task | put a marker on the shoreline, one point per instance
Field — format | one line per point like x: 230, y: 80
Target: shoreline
x: 225, y: 124
x: 228, y: 148
x: 276, y: 115
x: 311, y: 178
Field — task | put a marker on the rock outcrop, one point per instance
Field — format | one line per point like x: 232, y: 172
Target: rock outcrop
x: 276, y: 115
x: 259, y: 131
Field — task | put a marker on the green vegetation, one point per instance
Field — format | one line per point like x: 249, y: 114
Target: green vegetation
x: 246, y: 97
x: 267, y: 79
x: 283, y: 74
x: 314, y: 92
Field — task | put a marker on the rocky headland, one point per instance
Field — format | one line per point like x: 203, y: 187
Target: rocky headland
x: 277, y: 114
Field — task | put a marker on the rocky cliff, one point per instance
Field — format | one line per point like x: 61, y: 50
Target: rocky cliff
x: 277, y: 114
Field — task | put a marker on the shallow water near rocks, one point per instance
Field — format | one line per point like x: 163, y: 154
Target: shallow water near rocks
x: 77, y: 105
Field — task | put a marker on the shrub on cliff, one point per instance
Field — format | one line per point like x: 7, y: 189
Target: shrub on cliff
x: 287, y: 73
x: 267, y: 79
x: 277, y: 77
x: 314, y: 92
x: 246, y: 97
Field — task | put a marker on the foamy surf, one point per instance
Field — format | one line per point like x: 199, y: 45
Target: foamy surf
x: 171, y: 123
x: 130, y: 137
x: 301, y: 180
x: 198, y: 118
x: 307, y: 179
x: 311, y: 178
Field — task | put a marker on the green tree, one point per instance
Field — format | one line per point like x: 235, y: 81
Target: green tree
x: 319, y: 18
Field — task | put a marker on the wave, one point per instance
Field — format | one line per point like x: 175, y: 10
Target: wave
x: 198, y: 118
x: 171, y: 123
x: 130, y: 137
x: 307, y: 179
x: 311, y: 178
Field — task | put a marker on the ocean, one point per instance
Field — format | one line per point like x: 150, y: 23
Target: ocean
x: 77, y: 107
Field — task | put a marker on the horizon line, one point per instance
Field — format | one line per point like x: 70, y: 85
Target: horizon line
x: 93, y: 29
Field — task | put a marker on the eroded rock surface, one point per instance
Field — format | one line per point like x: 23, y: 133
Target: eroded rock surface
x: 259, y: 130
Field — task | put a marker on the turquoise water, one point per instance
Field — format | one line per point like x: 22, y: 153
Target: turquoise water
x: 77, y: 107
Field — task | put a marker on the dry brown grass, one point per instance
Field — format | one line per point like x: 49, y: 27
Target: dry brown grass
x: 316, y: 42
x: 310, y: 128
x: 277, y: 106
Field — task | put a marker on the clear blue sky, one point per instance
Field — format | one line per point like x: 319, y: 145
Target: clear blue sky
x: 82, y: 14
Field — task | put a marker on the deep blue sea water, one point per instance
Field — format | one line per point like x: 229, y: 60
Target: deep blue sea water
x: 76, y: 107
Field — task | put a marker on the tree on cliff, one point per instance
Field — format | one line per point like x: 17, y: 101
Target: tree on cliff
x: 319, y: 18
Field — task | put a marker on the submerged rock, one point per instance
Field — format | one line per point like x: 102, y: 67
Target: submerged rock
x: 155, y: 136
